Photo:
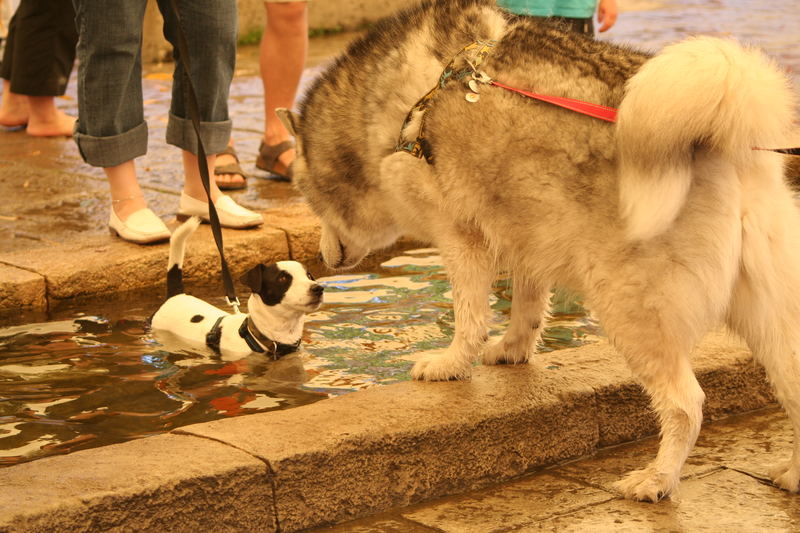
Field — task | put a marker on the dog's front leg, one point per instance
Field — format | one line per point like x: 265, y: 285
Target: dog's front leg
x: 471, y: 272
x: 529, y: 304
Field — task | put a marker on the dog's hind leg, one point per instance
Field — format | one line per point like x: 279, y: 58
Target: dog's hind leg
x: 471, y: 270
x: 766, y: 306
x: 677, y: 398
x: 529, y: 304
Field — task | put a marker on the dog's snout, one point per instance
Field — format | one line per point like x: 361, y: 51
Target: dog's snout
x: 317, y: 289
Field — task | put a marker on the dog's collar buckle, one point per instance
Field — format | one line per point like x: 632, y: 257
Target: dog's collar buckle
x: 260, y: 343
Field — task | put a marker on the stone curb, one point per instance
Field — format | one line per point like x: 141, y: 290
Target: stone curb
x: 363, y: 452
x: 102, y: 264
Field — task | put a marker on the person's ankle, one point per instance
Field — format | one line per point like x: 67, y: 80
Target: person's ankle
x: 199, y: 193
x: 126, y: 206
x: 14, y: 110
x: 50, y: 124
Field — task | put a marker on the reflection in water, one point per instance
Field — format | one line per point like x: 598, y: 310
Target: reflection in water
x: 75, y: 383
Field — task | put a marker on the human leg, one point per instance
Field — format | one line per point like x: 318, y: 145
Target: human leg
x: 45, y: 119
x: 13, y: 108
x: 228, y: 173
x: 111, y: 132
x: 210, y: 67
x: 194, y: 201
x: 111, y: 129
x: 282, y: 57
x: 129, y: 217
x: 38, y: 65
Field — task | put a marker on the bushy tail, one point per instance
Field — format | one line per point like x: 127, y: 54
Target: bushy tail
x: 705, y: 92
x: 177, y: 248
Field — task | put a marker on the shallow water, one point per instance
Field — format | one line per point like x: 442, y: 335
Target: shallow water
x: 91, y: 374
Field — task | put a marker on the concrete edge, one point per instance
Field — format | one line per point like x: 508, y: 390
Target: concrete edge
x: 369, y: 451
x: 97, y: 265
x: 21, y: 288
x: 102, y: 264
x: 163, y: 483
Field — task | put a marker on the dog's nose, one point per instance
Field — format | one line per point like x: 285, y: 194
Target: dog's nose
x: 317, y: 289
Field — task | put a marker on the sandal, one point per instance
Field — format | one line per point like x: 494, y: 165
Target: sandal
x: 268, y: 159
x: 231, y: 168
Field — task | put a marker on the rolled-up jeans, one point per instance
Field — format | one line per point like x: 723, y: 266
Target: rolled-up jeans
x: 111, y: 128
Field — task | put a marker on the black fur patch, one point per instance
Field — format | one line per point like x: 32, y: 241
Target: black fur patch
x: 269, y: 282
x: 174, y: 281
x: 197, y: 318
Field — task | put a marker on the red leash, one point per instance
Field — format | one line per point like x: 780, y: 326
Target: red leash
x: 609, y: 114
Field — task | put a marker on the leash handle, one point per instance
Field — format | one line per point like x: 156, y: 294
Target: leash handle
x: 194, y: 114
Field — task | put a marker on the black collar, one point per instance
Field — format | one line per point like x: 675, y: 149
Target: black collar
x: 214, y: 334
x: 260, y: 343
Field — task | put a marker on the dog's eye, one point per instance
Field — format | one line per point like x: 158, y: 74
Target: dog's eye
x: 310, y: 276
x: 283, y: 278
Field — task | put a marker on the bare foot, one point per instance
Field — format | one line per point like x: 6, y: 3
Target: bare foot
x: 58, y: 124
x: 13, y: 108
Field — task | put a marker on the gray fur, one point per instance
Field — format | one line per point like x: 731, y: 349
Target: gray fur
x: 549, y: 195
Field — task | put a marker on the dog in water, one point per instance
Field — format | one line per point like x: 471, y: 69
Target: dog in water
x: 668, y: 222
x: 283, y: 293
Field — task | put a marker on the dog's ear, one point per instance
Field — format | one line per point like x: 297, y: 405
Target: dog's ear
x: 252, y: 278
x: 290, y: 120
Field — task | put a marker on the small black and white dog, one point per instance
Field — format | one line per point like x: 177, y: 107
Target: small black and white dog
x: 283, y: 293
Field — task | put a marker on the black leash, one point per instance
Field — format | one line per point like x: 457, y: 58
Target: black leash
x: 194, y: 113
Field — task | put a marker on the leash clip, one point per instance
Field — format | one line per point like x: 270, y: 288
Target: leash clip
x: 481, y: 76
x: 235, y: 304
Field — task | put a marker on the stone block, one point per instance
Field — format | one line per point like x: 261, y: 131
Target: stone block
x: 98, y: 265
x: 21, y: 288
x: 163, y: 483
x: 392, y: 446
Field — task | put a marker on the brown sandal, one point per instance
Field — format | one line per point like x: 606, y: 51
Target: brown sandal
x: 231, y: 168
x: 268, y: 158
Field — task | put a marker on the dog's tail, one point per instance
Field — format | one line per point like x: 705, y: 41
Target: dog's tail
x: 177, y: 248
x: 701, y: 92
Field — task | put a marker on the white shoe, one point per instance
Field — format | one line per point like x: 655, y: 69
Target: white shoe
x: 231, y: 214
x: 141, y: 227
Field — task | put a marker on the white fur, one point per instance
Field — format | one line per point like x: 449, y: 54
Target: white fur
x: 702, y: 90
x: 282, y: 323
x: 692, y: 227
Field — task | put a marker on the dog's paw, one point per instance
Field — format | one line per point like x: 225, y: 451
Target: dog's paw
x: 646, y: 485
x: 786, y: 476
x: 497, y: 352
x: 441, y: 367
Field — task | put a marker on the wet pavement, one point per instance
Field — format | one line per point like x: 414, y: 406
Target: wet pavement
x: 50, y: 196
x: 723, y: 489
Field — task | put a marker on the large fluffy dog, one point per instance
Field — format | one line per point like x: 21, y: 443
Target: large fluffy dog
x: 668, y: 222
